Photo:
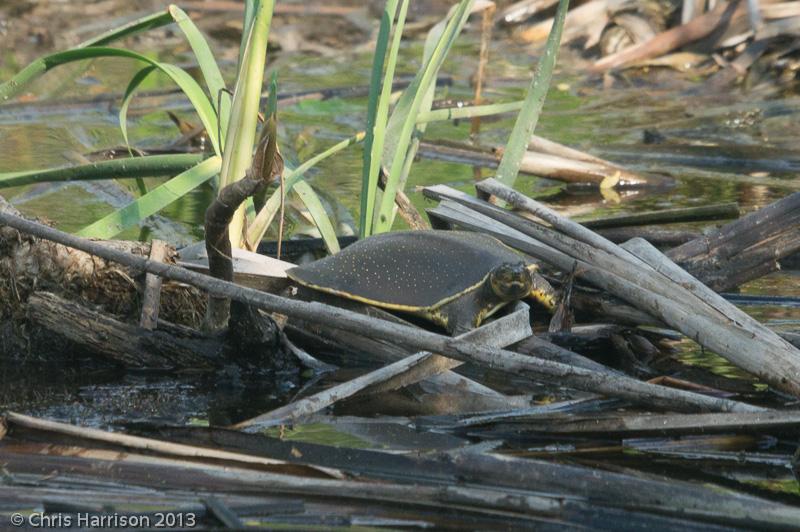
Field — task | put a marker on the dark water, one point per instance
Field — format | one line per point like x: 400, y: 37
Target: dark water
x: 734, y: 145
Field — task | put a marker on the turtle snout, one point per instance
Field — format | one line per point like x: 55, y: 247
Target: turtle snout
x: 511, y: 281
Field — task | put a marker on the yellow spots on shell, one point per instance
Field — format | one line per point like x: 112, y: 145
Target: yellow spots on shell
x: 415, y: 271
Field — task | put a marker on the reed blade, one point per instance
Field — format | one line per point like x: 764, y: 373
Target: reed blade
x: 152, y: 202
x: 378, y: 109
x: 534, y: 101
x: 241, y: 132
x: 402, y: 132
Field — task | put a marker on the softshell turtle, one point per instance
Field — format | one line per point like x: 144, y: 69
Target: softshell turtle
x: 455, y: 279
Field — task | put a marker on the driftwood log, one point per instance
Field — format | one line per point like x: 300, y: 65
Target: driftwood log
x: 523, y: 491
x: 561, y: 165
x: 412, y: 369
x: 412, y: 338
x: 54, y: 297
x: 744, y: 249
x: 745, y: 343
x: 29, y: 264
x: 169, y: 347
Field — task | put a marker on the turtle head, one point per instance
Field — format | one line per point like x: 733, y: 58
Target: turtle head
x: 511, y: 281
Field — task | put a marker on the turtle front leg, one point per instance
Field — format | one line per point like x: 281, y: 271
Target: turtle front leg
x: 468, y: 311
x: 452, y: 318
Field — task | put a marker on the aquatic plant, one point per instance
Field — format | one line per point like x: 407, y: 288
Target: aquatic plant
x: 391, y: 144
x: 230, y: 120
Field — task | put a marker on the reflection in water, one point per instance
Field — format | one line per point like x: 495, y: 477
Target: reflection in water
x: 103, y: 397
x: 712, y: 143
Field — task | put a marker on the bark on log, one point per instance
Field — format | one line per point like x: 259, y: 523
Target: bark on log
x: 659, y: 237
x: 744, y: 249
x: 684, y: 214
x: 402, y: 373
x: 122, y: 343
x: 558, y: 167
x: 29, y: 264
x: 152, y: 288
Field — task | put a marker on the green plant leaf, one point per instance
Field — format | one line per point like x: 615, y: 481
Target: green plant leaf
x: 185, y: 82
x: 241, y: 131
x: 146, y: 23
x: 250, y: 8
x: 153, y: 201
x: 399, y: 146
x: 220, y: 98
x: 134, y: 83
x: 135, y: 167
x: 534, y: 100
x: 318, y: 213
x: 377, y: 110
x: 470, y: 111
x: 272, y: 101
x: 265, y: 216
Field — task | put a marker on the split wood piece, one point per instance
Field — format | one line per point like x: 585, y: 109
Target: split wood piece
x: 746, y: 248
x: 538, y: 146
x: 539, y: 347
x: 737, y: 68
x: 455, y: 503
x: 598, y: 303
x: 498, y: 333
x: 791, y: 337
x: 259, y: 510
x: 151, y: 445
x: 659, y: 237
x: 672, y: 39
x: 151, y: 300
x: 60, y: 500
x: 697, y: 312
x: 666, y: 216
x: 181, y: 475
x: 662, y: 264
x: 749, y: 346
x: 523, y: 10
x: 547, y: 165
x: 646, y: 492
x: 462, y: 393
x: 170, y: 347
x: 484, y: 482
x: 255, y: 270
x: 616, y: 386
x: 659, y: 424
x: 223, y: 513
x: 781, y: 10
x: 707, y: 503
x: 574, y: 171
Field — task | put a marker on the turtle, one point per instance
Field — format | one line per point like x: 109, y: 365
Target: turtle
x: 455, y: 279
